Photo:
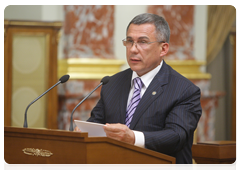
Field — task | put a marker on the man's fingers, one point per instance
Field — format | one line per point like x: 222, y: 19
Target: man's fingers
x: 114, y: 127
x: 77, y: 129
x: 119, y: 132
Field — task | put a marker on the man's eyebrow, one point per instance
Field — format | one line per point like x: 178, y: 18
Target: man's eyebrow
x: 139, y: 38
x: 143, y: 38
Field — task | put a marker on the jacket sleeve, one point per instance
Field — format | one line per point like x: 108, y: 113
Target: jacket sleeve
x: 97, y: 114
x: 180, y: 124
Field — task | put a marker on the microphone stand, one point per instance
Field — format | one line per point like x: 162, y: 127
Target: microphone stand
x: 71, y: 121
x: 25, y: 125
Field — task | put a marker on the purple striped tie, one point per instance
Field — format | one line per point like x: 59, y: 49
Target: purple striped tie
x: 134, y: 101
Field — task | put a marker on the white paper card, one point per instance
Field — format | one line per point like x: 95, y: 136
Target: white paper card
x: 93, y: 129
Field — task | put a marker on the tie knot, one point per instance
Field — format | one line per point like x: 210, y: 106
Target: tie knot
x: 137, y: 83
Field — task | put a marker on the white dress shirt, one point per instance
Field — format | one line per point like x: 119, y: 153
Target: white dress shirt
x: 146, y: 79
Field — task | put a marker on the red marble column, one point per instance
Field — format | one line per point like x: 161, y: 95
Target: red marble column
x: 88, y: 33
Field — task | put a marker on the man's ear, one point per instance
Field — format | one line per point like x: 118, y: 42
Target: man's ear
x: 165, y: 48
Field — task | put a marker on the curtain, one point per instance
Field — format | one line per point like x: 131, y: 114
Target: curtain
x: 220, y: 21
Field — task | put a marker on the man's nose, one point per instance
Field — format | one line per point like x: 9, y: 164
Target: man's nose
x: 134, y: 48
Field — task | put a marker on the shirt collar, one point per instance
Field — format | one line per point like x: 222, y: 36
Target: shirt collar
x: 147, y: 78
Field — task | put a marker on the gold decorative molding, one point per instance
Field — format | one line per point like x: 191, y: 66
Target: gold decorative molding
x: 189, y: 68
x: 37, y: 152
x: 96, y: 68
x: 89, y: 68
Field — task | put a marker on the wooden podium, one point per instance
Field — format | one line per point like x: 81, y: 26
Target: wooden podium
x: 46, y: 146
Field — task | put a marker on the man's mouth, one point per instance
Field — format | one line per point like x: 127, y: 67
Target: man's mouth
x: 135, y: 59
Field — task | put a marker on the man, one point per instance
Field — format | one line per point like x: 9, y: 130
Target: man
x: 160, y: 109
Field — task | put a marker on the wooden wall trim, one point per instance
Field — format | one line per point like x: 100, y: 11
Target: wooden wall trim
x: 7, y: 77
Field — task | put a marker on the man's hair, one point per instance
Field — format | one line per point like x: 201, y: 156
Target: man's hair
x: 161, y: 25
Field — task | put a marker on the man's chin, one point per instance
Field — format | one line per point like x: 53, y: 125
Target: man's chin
x: 137, y: 70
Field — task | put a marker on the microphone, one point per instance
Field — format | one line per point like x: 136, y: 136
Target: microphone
x: 63, y: 79
x: 103, y: 82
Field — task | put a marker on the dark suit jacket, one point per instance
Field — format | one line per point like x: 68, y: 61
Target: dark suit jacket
x: 167, y: 119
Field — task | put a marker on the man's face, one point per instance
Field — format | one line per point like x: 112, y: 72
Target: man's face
x: 144, y: 60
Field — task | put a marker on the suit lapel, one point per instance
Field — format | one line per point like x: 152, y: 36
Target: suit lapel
x: 153, y: 92
x: 124, y: 97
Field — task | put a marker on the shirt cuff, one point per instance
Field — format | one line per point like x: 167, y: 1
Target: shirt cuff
x: 139, y: 139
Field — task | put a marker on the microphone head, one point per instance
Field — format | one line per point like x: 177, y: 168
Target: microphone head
x: 105, y: 80
x: 64, y: 78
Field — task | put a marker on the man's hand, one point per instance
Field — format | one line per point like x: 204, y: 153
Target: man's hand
x: 119, y: 132
x: 77, y: 129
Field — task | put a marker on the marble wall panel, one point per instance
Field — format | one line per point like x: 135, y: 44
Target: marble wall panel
x: 180, y: 20
x: 88, y: 31
x: 209, y: 103
x: 70, y: 95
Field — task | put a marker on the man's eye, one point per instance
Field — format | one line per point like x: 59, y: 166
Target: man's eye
x: 142, y: 42
x: 129, y: 41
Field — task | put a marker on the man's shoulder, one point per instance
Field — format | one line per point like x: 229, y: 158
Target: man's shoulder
x: 176, y: 76
x: 120, y: 77
x: 123, y: 73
